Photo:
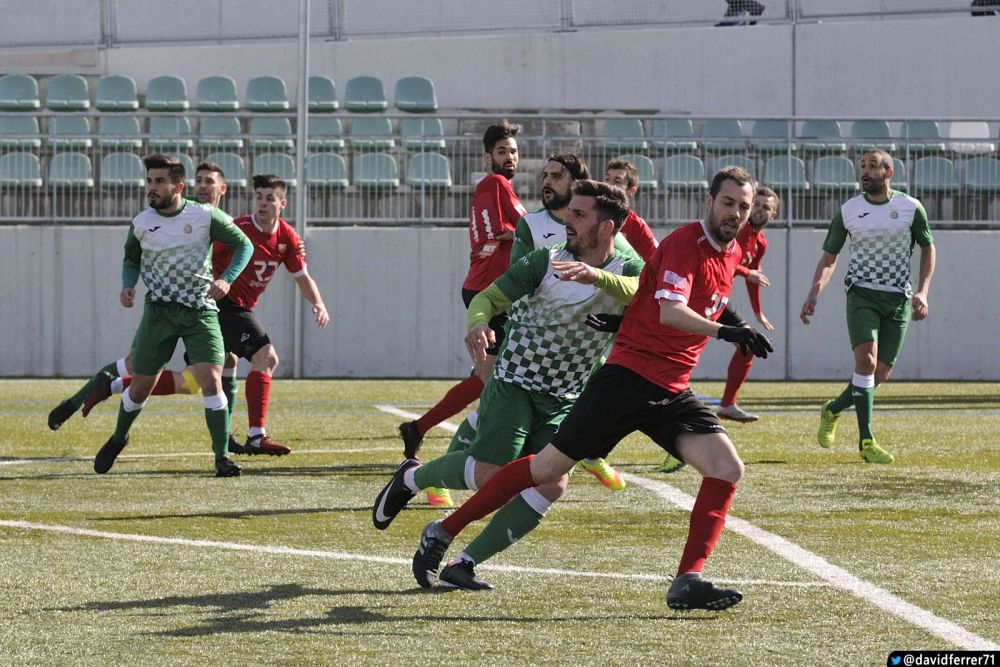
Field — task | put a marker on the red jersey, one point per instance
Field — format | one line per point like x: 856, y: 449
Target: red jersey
x: 639, y: 235
x: 269, y: 250
x: 689, y: 267
x: 495, y: 210
x: 754, y: 245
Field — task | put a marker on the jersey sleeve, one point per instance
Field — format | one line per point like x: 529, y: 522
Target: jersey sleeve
x: 133, y: 256
x: 836, y: 236
x: 920, y: 228
x: 640, y: 236
x: 485, y: 306
x: 676, y: 271
x: 294, y: 261
x: 525, y: 276
x: 224, y: 230
x: 524, y: 241
x: 497, y: 211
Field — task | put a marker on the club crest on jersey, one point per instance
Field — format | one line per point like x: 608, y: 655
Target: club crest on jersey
x: 671, y: 278
x: 282, y: 248
x: 187, y: 228
x: 893, y: 213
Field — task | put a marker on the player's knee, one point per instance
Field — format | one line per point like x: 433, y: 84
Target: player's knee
x: 882, y: 374
x: 553, y: 491
x: 484, y: 471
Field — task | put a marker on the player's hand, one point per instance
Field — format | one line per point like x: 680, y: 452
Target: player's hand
x: 322, y: 317
x: 477, y: 340
x: 127, y: 297
x: 808, y: 309
x: 758, y: 278
x: 218, y: 289
x: 764, y: 322
x: 300, y: 249
x: 919, y: 306
x: 577, y: 272
x: 749, y: 339
x: 607, y: 322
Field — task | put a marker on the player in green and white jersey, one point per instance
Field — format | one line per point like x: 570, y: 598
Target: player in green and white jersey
x: 883, y: 225
x: 170, y: 246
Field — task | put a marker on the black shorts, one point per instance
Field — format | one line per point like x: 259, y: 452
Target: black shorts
x: 242, y: 334
x: 497, y: 323
x: 617, y: 402
x: 730, y: 317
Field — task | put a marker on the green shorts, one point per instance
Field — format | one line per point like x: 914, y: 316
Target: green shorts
x: 879, y: 317
x: 163, y: 324
x: 515, y: 422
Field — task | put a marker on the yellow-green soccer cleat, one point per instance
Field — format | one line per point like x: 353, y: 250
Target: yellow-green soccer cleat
x: 670, y: 464
x: 604, y: 473
x: 872, y: 453
x: 827, y: 426
x: 438, y: 497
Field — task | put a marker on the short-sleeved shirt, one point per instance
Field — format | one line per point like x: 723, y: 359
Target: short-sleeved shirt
x: 882, y: 239
x: 281, y: 247
x: 541, y: 229
x: 495, y: 210
x: 689, y: 267
x: 639, y: 235
x: 753, y: 243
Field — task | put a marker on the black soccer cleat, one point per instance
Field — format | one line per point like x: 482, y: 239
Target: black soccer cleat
x: 225, y: 467
x: 462, y: 574
x: 434, y: 542
x: 107, y: 454
x: 235, y: 447
x: 60, y: 414
x: 393, y: 497
x: 411, y: 439
x: 100, y: 392
x: 689, y: 591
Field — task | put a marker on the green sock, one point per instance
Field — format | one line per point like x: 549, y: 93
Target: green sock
x: 229, y: 387
x: 218, y: 427
x: 864, y: 406
x: 842, y: 402
x: 125, y: 420
x: 447, y: 472
x: 512, y: 522
x: 77, y: 398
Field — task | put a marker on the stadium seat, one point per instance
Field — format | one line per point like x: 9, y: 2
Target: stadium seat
x: 771, y: 136
x: 267, y: 93
x: 900, y: 175
x: 935, y: 175
x: 365, y: 94
x: 623, y: 134
x: 415, y: 94
x: 232, y: 166
x: 279, y: 164
x: 220, y: 133
x: 921, y: 137
x: 684, y: 172
x: 166, y: 93
x: 19, y: 92
x: 322, y: 95
x: 970, y: 138
x: 785, y: 172
x: 834, y: 174
x: 271, y: 134
x: 122, y: 132
x: 122, y: 170
x: 867, y: 134
x: 673, y: 135
x: 982, y: 175
x: 170, y: 133
x: 20, y: 170
x: 371, y: 134
x: 115, y: 92
x: 428, y: 170
x: 216, y: 93
x: 646, y: 169
x: 375, y: 170
x: 818, y: 137
x: 723, y: 136
x: 189, y: 172
x: 328, y: 170
x: 741, y: 161
x: 422, y: 134
x: 70, y: 170
x: 69, y: 133
x: 67, y: 92
x: 19, y: 132
x: 325, y: 133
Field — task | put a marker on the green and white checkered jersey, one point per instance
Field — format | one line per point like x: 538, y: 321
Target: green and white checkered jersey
x: 174, y: 252
x: 538, y: 229
x: 882, y: 237
x: 548, y: 347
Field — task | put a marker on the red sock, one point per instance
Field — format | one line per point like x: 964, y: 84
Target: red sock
x: 708, y: 518
x: 509, y: 481
x: 258, y: 396
x: 126, y: 381
x: 456, y: 400
x: 165, y: 385
x: 739, y: 369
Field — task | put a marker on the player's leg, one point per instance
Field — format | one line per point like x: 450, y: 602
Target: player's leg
x: 739, y: 369
x: 258, y: 391
x: 206, y: 352
x: 66, y: 408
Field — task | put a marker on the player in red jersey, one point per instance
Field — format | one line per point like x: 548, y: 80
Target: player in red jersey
x: 644, y: 387
x: 635, y: 230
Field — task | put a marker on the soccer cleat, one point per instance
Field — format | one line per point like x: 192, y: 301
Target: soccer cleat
x: 60, y: 414
x: 872, y: 453
x: 261, y: 444
x: 736, y: 413
x: 427, y: 559
x: 235, y: 447
x: 393, y: 497
x: 604, y: 473
x: 670, y: 464
x: 827, y: 426
x: 462, y: 574
x: 438, y: 497
x: 107, y: 454
x: 225, y: 467
x: 411, y: 439
x: 101, y: 391
x: 689, y: 591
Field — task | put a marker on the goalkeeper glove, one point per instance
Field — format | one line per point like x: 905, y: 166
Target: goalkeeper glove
x: 749, y: 340
x: 606, y: 322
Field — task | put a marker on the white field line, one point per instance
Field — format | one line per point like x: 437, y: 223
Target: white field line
x: 835, y: 576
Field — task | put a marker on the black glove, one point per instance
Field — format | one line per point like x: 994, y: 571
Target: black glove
x: 607, y: 322
x: 749, y: 340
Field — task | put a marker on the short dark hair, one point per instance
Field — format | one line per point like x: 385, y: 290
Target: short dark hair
x: 574, y: 164
x: 174, y: 167
x: 731, y: 173
x: 611, y: 201
x: 269, y: 181
x: 764, y: 191
x: 207, y: 165
x: 498, y: 132
x: 883, y: 157
x: 631, y: 173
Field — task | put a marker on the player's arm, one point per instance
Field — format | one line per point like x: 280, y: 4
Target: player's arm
x: 755, y: 280
x: 642, y: 240
x: 676, y: 314
x: 620, y: 288
x: 928, y: 258
x: 835, y: 239
x: 519, y: 280
x: 222, y: 229
x: 130, y: 268
x: 307, y: 286
x: 524, y: 241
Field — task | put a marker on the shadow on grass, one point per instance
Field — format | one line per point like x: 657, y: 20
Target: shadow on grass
x: 906, y: 401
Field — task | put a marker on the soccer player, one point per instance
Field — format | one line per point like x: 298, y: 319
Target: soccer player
x: 170, y: 246
x: 644, y: 386
x: 624, y: 174
x: 543, y: 365
x: 883, y: 225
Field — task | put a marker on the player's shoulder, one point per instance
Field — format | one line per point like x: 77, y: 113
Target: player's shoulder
x: 243, y: 221
x: 902, y: 200
x: 491, y: 182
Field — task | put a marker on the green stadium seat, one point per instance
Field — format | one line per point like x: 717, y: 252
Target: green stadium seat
x: 673, y: 135
x: 19, y: 92
x: 818, y: 137
x: 189, y: 172
x: 982, y: 175
x: 771, y: 136
x: 123, y: 132
x: 415, y: 94
x: 327, y: 170
x: 375, y: 171
x: 232, y: 166
x: 19, y: 132
x: 325, y: 133
x: 623, y: 134
x: 422, y: 134
x: 723, y: 136
x: 935, y: 175
x: 365, y: 94
x: 70, y: 170
x: 267, y: 93
x: 428, y: 170
x: 784, y: 172
x: 167, y: 93
x: 371, y: 134
x: 322, y: 95
x: 900, y: 175
x: 867, y: 134
x: 20, y: 170
x: 273, y: 134
x: 220, y: 133
x: 834, y: 174
x: 970, y: 138
x: 67, y: 92
x: 216, y: 93
x: 646, y: 169
x: 741, y: 161
x: 684, y: 172
x: 170, y: 133
x: 69, y: 133
x: 279, y: 164
x: 122, y: 170
x: 921, y: 137
x: 115, y: 92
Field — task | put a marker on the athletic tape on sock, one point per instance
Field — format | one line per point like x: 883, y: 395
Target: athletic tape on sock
x: 470, y: 474
x: 536, y: 500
